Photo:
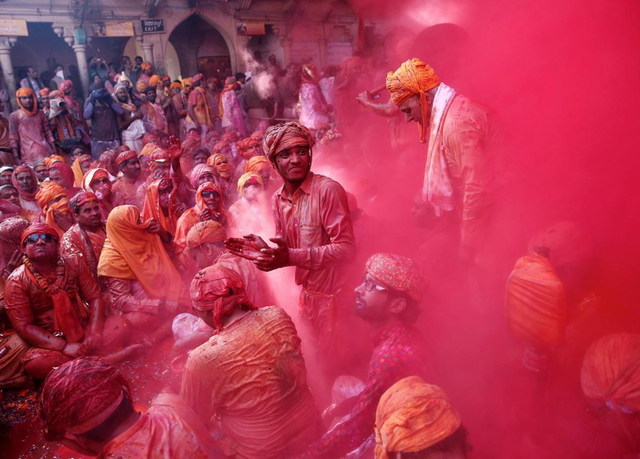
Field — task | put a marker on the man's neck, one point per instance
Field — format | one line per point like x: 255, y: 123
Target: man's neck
x: 44, y: 266
x: 90, y: 229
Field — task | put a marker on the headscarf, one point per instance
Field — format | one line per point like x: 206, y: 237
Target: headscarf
x: 221, y: 170
x: 94, y: 174
x: 64, y: 85
x: 10, y: 237
x: 256, y: 164
x: 78, y: 173
x: 6, y: 168
x: 151, y: 208
x: 413, y: 77
x: 412, y: 416
x: 66, y: 172
x: 80, y: 199
x: 48, y: 192
x: 131, y: 252
x: 157, y: 157
x: 125, y: 156
x: 205, y: 232
x: 611, y: 372
x: 249, y: 177
x: 212, y: 287
x: 66, y: 315
x: 207, y: 186
x: 80, y: 395
x: 154, y: 81
x: 197, y: 172
x: 146, y: 65
x: 397, y: 273
x: 29, y: 196
x: 285, y: 135
x: 22, y: 92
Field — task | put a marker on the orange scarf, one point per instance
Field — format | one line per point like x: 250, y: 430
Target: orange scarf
x: 151, y: 208
x: 131, y: 252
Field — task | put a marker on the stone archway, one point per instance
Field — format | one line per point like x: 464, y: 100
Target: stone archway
x: 202, y: 47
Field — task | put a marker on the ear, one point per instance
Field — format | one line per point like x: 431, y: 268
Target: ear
x: 397, y: 305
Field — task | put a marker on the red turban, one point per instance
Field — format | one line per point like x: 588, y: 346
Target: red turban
x: 44, y: 92
x: 397, y: 273
x: 285, y: 135
x: 611, y: 372
x: 65, y: 85
x: 80, y: 199
x: 125, y: 156
x: 11, y: 231
x: 37, y: 228
x: 66, y: 171
x: 81, y: 394
x: 211, y: 289
x: 14, y: 181
x: 247, y: 144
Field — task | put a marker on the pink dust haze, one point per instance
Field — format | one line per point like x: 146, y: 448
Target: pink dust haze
x: 562, y: 79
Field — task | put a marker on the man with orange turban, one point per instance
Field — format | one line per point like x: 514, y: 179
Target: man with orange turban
x: 54, y: 203
x: 208, y: 207
x: 153, y: 115
x: 262, y: 166
x: 147, y: 73
x: 29, y: 133
x: 98, y: 181
x: 251, y: 213
x: 313, y: 232
x: 416, y: 417
x: 88, y: 395
x: 38, y: 302
x: 388, y: 299
x: 180, y: 103
x: 247, y: 149
x: 198, y: 108
x: 85, y: 239
x: 229, y: 110
x: 261, y: 409
x: 459, y: 136
x: 610, y: 378
x: 142, y: 282
x: 125, y: 187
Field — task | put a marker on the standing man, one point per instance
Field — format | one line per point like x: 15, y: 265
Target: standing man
x: 198, y: 106
x: 31, y: 138
x: 124, y: 189
x: 102, y: 110
x: 313, y: 231
x: 458, y: 133
x: 32, y: 81
x: 153, y: 116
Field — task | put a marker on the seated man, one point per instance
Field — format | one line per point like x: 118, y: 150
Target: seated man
x: 86, y: 238
x: 54, y: 204
x: 388, y: 299
x: 160, y: 204
x: 45, y: 300
x: 417, y: 419
x: 124, y: 188
x: 251, y: 213
x: 248, y: 382
x: 87, y: 406
x: 208, y: 207
x: 26, y: 182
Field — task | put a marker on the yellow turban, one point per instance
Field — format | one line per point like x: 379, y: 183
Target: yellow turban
x: 611, y: 371
x: 413, y: 77
x: 250, y: 177
x: 412, y: 416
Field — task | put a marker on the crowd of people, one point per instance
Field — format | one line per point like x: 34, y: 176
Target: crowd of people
x: 135, y: 217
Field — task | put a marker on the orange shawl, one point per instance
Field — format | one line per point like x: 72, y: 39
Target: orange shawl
x: 131, y: 252
x: 48, y: 192
x: 151, y: 208
x: 192, y: 216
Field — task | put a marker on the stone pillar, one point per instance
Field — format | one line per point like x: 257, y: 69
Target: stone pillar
x: 7, y: 69
x: 147, y: 51
x: 83, y: 69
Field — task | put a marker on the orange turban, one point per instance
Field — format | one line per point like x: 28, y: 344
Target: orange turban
x: 50, y: 191
x: 413, y: 416
x: 23, y: 92
x: 222, y: 170
x: 397, y: 273
x: 256, y: 164
x: 187, y: 82
x: 205, y: 232
x: 249, y: 177
x: 79, y: 395
x: 155, y: 80
x: 149, y: 148
x: 131, y: 252
x: 211, y: 289
x: 536, y: 302
x: 175, y: 85
x: 247, y: 144
x: 285, y: 135
x: 51, y: 160
x: 44, y: 92
x: 146, y: 65
x: 413, y: 77
x: 611, y: 371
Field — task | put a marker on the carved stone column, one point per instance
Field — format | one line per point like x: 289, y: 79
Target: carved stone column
x: 7, y: 67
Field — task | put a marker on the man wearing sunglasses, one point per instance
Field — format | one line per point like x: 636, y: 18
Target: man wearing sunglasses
x: 54, y: 304
x: 388, y: 299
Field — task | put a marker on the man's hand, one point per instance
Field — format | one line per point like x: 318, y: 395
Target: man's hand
x: 180, y: 208
x: 273, y: 258
x: 365, y: 98
x: 205, y: 215
x: 74, y: 350
x: 248, y: 247
x: 154, y: 227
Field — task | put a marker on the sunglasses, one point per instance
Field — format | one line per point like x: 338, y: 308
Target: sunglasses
x: 209, y: 194
x: 33, y: 238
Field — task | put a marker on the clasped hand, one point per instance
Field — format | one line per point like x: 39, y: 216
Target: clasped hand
x: 255, y: 249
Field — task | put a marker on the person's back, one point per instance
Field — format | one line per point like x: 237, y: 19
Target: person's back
x: 249, y: 383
